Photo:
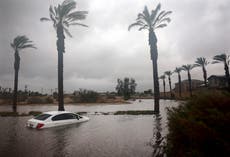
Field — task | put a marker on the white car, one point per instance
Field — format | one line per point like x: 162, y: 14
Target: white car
x: 55, y: 118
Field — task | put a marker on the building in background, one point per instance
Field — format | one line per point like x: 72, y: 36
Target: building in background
x: 185, y: 85
x: 217, y: 81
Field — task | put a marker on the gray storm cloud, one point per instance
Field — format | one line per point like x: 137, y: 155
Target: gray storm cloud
x: 96, y: 56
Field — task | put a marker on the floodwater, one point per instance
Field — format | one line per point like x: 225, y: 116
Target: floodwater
x: 102, y: 136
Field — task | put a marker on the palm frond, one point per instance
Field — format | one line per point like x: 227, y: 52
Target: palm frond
x: 214, y: 62
x: 143, y: 27
x: 168, y: 20
x: 44, y: 19
x: 161, y: 16
x: 140, y: 16
x: 162, y: 77
x: 134, y: 24
x: 221, y: 57
x: 146, y: 12
x: 66, y: 23
x: 161, y: 26
x: 201, y: 61
x: 21, y: 42
x: 178, y: 69
x: 66, y: 7
x: 53, y: 15
x: 168, y: 73
x: 62, y: 14
x: 28, y: 46
x: 154, y: 12
x: 67, y: 32
x: 79, y: 24
x: 80, y: 15
x: 188, y: 67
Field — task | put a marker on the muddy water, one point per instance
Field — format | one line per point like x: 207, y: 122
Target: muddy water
x: 102, y: 136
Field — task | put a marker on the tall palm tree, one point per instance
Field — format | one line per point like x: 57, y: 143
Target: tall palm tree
x: 152, y: 21
x: 169, y: 73
x: 188, y: 68
x: 178, y: 71
x: 163, y: 79
x: 62, y: 17
x: 19, y: 43
x: 224, y: 58
x: 202, y: 62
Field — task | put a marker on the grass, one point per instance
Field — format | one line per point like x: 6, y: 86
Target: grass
x: 144, y: 112
x: 16, y: 114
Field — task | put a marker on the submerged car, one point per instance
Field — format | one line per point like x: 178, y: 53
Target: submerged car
x: 55, y: 118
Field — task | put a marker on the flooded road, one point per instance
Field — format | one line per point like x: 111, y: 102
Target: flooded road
x: 103, y: 135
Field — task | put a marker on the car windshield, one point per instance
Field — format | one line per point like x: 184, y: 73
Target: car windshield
x: 42, y: 116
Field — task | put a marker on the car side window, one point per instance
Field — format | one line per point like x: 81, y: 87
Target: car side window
x: 64, y: 116
x: 78, y: 116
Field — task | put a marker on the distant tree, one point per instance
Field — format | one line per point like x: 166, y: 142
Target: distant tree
x: 127, y: 91
x: 225, y: 59
x: 202, y: 62
x: 149, y: 91
x: 119, y: 87
x: 152, y: 20
x: 126, y: 88
x: 169, y: 73
x: 178, y: 70
x: 62, y: 17
x: 19, y: 43
x: 132, y: 86
x: 188, y: 68
x: 163, y: 79
x: 88, y: 96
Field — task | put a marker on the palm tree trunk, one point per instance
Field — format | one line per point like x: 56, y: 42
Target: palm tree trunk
x: 227, y: 75
x: 61, y: 50
x: 16, y: 70
x: 164, y: 88
x: 170, y: 86
x: 190, y: 83
x: 154, y: 56
x: 205, y: 76
x: 179, y: 79
x: 156, y: 87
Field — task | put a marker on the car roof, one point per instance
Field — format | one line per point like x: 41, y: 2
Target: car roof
x: 56, y: 112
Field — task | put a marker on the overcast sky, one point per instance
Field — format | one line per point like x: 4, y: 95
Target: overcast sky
x: 96, y: 56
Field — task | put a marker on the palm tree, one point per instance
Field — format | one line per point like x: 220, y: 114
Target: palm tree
x: 169, y: 73
x: 152, y: 21
x: 19, y: 43
x: 178, y: 70
x: 224, y: 58
x: 163, y: 79
x: 188, y: 68
x: 202, y: 62
x: 62, y: 17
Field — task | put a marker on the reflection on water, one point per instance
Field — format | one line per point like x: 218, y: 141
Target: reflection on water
x: 103, y: 135
x: 157, y: 141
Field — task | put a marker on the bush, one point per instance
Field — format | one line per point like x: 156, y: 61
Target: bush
x: 39, y: 100
x: 87, y: 96
x: 200, y: 127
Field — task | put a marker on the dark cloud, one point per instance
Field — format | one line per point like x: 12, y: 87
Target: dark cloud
x: 96, y: 56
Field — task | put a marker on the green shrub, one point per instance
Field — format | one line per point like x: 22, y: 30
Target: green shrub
x: 200, y: 127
